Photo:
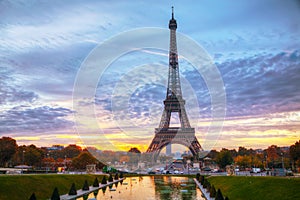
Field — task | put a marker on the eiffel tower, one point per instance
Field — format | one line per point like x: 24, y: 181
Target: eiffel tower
x: 174, y: 103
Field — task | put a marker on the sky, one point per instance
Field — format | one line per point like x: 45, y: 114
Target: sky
x: 44, y: 45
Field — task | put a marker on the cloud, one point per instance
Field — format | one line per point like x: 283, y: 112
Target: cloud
x: 264, y: 83
x: 24, y: 119
x: 12, y: 93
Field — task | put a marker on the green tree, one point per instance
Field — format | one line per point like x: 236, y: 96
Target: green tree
x: 8, y: 148
x: 224, y: 158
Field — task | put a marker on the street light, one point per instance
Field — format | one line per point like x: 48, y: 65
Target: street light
x: 47, y: 164
x: 188, y: 163
x: 282, y: 163
x: 65, y: 162
x: 23, y: 160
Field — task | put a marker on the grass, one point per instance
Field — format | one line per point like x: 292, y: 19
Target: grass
x: 251, y: 187
x: 235, y: 187
x: 22, y: 186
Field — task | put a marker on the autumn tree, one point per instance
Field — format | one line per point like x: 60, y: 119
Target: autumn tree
x: 134, y: 150
x: 8, y: 148
x: 243, y: 161
x: 83, y: 159
x: 295, y: 153
x: 71, y: 151
x: 213, y: 154
x: 33, y: 155
x: 124, y: 158
x: 273, y: 155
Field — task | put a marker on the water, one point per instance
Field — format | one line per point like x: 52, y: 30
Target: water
x: 151, y: 188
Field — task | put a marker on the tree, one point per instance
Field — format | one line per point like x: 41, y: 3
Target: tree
x: 295, y: 152
x: 83, y: 159
x: 243, y: 151
x: 224, y: 158
x: 243, y: 161
x: 33, y: 155
x: 8, y: 148
x: 124, y: 158
x: 213, y: 154
x: 134, y: 150
x: 273, y: 155
x: 71, y: 151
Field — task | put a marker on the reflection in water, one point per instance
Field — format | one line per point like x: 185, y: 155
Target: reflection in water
x: 153, y: 188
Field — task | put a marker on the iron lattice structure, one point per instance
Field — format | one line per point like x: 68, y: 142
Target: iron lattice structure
x: 174, y: 103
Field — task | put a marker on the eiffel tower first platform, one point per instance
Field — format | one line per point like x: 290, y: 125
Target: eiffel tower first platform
x: 174, y: 103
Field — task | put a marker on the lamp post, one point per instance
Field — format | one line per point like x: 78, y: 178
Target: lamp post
x: 65, y: 163
x: 23, y: 160
x: 47, y: 164
x: 282, y: 163
x: 188, y: 163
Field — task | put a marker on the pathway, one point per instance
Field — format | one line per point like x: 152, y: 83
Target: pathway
x: 81, y: 193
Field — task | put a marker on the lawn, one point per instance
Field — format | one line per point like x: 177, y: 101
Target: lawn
x: 252, y: 187
x: 22, y: 186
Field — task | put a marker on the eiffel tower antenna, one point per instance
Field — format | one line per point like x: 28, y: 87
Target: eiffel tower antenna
x: 174, y: 103
x: 172, y: 12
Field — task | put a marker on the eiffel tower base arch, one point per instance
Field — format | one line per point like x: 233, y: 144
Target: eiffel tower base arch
x: 185, y: 137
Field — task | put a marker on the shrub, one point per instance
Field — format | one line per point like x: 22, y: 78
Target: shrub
x: 96, y: 183
x: 226, y: 198
x: 55, y: 194
x: 212, y: 191
x: 116, y: 176
x: 110, y: 178
x: 201, y: 179
x: 198, y: 176
x: 219, y: 195
x: 85, y: 186
x: 73, y: 190
x: 205, y: 183
x: 208, y: 186
x: 104, y: 181
x: 32, y: 197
